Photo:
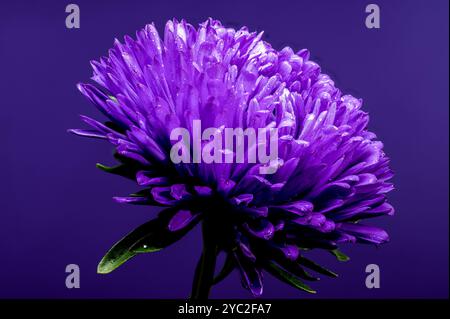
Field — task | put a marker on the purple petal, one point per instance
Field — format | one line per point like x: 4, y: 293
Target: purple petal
x: 365, y: 233
x: 88, y: 133
x: 252, y: 278
x: 203, y: 190
x: 181, y: 219
x: 162, y: 195
x: 262, y: 229
x: 143, y: 179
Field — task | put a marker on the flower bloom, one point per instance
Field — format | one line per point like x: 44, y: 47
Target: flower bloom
x: 331, y: 172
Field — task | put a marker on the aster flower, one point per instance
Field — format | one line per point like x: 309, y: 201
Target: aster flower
x: 331, y: 172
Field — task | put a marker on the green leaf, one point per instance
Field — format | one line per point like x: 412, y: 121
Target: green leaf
x: 317, y: 268
x: 122, y: 170
x: 295, y: 269
x: 122, y: 250
x: 287, y: 277
x: 228, y: 267
x: 149, y: 237
x: 340, y: 255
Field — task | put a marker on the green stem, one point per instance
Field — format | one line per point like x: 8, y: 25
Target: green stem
x: 204, y: 272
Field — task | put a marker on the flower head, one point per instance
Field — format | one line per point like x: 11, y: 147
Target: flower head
x: 330, y: 171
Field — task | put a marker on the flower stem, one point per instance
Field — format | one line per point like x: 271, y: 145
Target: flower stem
x: 204, y: 272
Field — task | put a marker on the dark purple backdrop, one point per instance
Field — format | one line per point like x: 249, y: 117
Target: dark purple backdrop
x: 56, y: 207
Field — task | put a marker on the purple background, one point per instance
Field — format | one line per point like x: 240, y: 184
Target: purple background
x: 56, y: 207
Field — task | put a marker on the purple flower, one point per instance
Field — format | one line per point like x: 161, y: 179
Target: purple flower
x: 331, y: 172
